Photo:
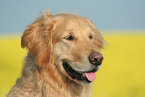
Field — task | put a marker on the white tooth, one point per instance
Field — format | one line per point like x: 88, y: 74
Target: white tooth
x: 83, y: 74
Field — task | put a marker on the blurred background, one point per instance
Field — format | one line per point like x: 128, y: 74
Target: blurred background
x: 121, y: 22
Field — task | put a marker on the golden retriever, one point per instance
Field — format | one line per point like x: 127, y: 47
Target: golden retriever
x: 64, y: 54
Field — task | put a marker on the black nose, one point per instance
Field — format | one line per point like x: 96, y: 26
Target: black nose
x: 96, y: 58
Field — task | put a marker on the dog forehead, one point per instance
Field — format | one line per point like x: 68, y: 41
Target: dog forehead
x: 77, y: 23
x: 73, y: 24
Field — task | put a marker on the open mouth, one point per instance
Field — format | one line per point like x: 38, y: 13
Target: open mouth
x: 87, y: 76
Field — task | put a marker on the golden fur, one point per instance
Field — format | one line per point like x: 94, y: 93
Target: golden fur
x: 47, y: 41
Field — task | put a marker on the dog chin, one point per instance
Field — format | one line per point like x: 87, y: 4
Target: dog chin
x: 80, y: 82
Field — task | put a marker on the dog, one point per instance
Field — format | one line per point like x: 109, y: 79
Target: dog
x: 63, y: 56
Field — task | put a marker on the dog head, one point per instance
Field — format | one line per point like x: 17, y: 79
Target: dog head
x: 69, y: 41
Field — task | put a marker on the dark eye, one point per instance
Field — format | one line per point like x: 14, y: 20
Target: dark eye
x: 69, y: 37
x: 90, y: 36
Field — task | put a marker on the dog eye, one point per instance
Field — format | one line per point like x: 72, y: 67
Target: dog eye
x: 69, y: 37
x: 90, y: 36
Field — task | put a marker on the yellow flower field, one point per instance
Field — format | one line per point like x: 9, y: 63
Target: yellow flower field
x: 122, y: 73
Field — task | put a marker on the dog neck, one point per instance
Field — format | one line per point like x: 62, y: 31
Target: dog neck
x: 51, y: 80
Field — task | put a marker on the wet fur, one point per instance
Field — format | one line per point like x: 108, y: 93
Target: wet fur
x: 41, y: 77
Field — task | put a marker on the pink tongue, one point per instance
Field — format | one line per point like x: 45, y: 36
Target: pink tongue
x: 90, y: 76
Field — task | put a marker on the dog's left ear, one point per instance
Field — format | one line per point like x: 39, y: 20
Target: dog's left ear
x: 37, y: 38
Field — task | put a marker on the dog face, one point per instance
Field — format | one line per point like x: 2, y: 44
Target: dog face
x: 70, y: 41
x: 77, y: 48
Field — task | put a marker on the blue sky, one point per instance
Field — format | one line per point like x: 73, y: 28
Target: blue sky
x: 15, y: 15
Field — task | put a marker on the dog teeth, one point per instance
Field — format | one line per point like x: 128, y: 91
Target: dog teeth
x: 83, y: 74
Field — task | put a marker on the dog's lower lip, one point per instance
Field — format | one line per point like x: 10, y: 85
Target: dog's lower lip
x: 76, y: 75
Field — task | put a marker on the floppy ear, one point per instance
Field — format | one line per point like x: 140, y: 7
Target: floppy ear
x: 37, y: 38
